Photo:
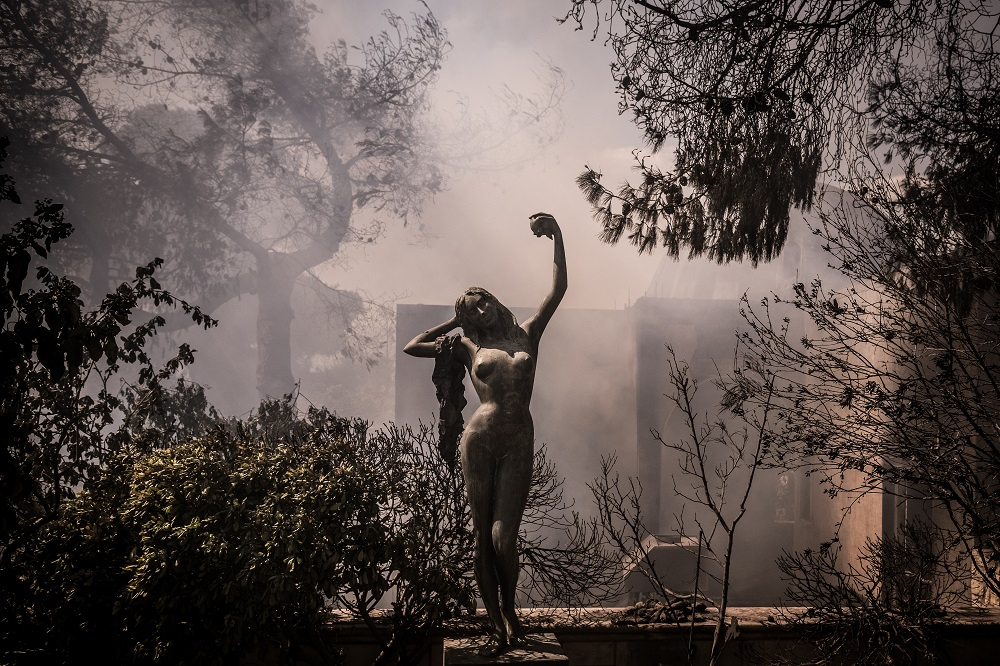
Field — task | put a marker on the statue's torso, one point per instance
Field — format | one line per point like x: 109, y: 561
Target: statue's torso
x: 503, y: 377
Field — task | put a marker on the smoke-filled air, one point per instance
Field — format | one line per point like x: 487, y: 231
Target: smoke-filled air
x: 664, y: 316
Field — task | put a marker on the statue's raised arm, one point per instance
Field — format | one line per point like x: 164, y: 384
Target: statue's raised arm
x: 543, y: 224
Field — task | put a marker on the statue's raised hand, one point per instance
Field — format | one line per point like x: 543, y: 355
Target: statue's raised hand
x: 543, y: 224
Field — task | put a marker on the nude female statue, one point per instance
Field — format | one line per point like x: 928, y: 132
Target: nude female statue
x: 497, y: 445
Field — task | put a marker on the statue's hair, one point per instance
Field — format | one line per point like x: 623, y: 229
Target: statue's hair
x: 449, y: 371
x: 506, y: 320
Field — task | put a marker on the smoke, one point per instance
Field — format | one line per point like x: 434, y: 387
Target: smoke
x: 586, y: 402
x: 476, y: 231
x: 522, y: 106
x: 507, y: 60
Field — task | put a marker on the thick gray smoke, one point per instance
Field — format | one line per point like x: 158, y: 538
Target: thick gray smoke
x: 507, y: 56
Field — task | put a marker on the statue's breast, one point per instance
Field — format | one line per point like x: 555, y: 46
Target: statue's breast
x: 494, y: 366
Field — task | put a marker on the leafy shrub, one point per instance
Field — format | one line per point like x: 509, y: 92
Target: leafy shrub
x: 56, y: 361
x: 239, y: 538
x: 184, y: 554
x: 56, y: 409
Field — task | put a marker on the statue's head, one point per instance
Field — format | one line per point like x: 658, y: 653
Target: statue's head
x: 481, y: 314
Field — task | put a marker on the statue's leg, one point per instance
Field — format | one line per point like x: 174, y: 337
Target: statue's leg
x: 513, y: 481
x: 478, y: 468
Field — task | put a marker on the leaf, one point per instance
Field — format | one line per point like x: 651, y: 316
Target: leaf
x: 50, y: 354
x: 17, y: 270
x: 111, y: 350
x: 94, y: 348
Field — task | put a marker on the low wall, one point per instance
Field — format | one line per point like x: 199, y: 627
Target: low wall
x: 969, y: 636
x: 754, y: 645
x: 590, y: 637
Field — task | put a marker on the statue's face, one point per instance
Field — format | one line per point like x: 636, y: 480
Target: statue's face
x: 480, y: 311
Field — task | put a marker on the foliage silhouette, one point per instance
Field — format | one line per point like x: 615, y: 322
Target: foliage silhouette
x: 763, y: 98
x: 56, y: 361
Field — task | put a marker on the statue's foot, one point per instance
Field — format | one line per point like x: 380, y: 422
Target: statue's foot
x: 494, y: 646
x: 516, y: 636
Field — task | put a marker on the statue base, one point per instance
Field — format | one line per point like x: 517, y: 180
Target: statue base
x: 541, y: 650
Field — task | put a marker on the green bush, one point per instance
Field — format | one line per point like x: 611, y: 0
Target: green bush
x: 183, y: 554
x: 238, y: 539
x: 57, y: 414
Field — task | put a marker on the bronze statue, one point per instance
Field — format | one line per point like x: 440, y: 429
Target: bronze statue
x: 497, y: 445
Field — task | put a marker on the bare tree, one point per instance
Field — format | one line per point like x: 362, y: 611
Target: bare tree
x: 566, y: 560
x: 718, y: 462
x: 895, y: 378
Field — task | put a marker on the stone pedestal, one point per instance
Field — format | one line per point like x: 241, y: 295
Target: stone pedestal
x: 541, y: 650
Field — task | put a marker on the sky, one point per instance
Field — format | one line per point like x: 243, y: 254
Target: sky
x: 476, y: 232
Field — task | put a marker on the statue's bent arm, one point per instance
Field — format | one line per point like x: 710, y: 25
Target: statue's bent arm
x: 424, y: 344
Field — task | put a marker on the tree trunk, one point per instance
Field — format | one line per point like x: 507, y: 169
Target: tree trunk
x: 274, y: 327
